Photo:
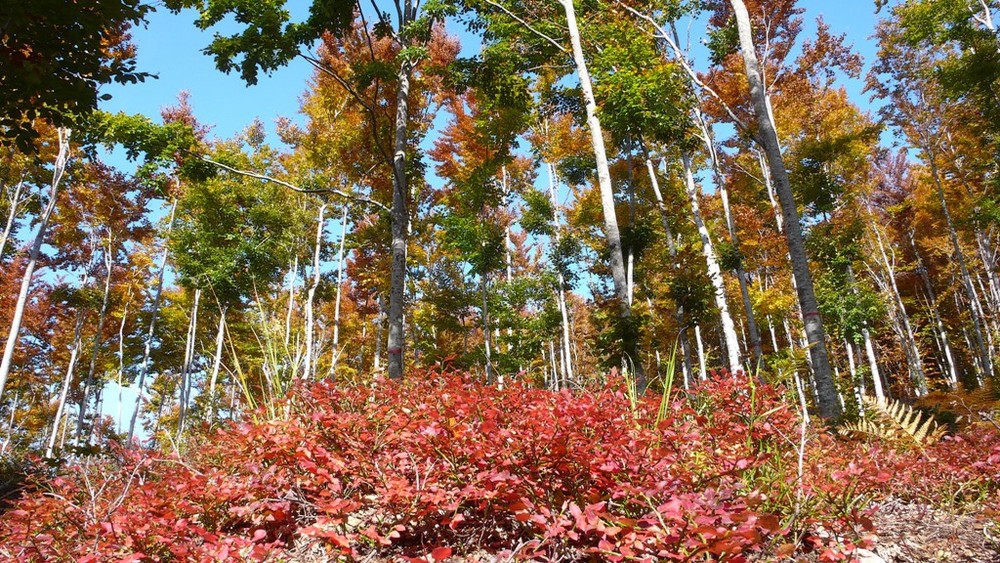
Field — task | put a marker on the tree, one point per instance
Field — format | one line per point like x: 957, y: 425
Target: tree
x: 829, y: 403
x: 57, y: 56
x: 270, y: 40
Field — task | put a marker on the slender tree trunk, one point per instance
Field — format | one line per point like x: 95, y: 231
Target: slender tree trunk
x: 611, y: 232
x: 828, y: 402
x: 400, y: 213
x: 668, y: 234
x: 484, y: 289
x: 734, y: 239
x: 185, y: 390
x: 561, y: 293
x: 220, y: 337
x: 67, y: 380
x: 109, y: 262
x: 379, y: 329
x: 340, y: 283
x: 293, y: 273
x: 151, y: 333
x: 873, y: 365
x: 58, y: 171
x: 121, y: 364
x: 703, y: 373
x: 730, y: 340
x: 907, y: 338
x: 936, y: 315
x: 986, y: 362
x: 308, y: 367
x: 15, y: 200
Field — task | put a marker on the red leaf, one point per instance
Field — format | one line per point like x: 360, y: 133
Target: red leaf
x: 441, y: 553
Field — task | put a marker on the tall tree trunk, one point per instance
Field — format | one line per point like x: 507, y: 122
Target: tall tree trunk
x: 907, y: 338
x: 828, y: 402
x: 611, y: 232
x: 487, y: 333
x: 151, y: 333
x: 58, y: 171
x: 15, y: 201
x: 986, y: 362
x: 400, y: 192
x: 379, y: 329
x: 561, y: 292
x: 340, y: 283
x: 121, y: 364
x: 730, y: 340
x: 308, y: 370
x: 702, y: 365
x: 661, y: 207
x: 220, y: 337
x: 293, y: 272
x: 936, y: 314
x: 185, y: 390
x: 109, y: 262
x: 67, y: 380
x: 734, y: 238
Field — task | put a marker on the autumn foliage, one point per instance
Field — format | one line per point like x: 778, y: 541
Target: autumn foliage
x: 443, y: 466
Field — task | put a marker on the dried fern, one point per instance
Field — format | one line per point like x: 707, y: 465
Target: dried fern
x: 968, y: 407
x: 895, y: 422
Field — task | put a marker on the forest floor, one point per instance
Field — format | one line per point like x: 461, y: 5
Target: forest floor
x: 912, y: 532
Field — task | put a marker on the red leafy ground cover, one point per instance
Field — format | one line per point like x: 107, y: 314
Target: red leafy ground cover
x: 440, y: 466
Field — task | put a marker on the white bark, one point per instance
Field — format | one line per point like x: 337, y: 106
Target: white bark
x: 308, y: 370
x: 340, y: 283
x: 611, y: 231
x: 15, y: 201
x: 561, y: 293
x: 67, y: 379
x: 185, y: 390
x: 58, y: 171
x: 98, y: 340
x: 730, y: 339
x: 293, y: 273
x: 155, y: 314
x: 217, y: 362
x: 703, y: 373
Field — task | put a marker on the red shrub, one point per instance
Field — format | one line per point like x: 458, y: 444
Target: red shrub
x: 440, y: 465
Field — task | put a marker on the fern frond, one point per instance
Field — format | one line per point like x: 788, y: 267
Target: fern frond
x: 899, y: 421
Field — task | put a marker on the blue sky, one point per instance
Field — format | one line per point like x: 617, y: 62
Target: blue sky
x: 170, y: 46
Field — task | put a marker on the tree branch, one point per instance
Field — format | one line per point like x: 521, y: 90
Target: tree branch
x: 293, y: 187
x: 527, y: 25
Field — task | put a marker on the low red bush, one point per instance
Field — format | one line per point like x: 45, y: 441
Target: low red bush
x: 440, y: 465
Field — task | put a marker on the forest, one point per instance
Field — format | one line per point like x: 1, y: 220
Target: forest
x: 593, y: 280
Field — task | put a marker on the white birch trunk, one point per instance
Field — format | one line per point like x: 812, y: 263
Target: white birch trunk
x: 150, y: 334
x: 220, y: 336
x: 185, y: 390
x: 15, y: 201
x: 308, y: 365
x: 340, y: 282
x: 58, y: 171
x: 611, y: 231
x: 730, y: 339
x: 98, y: 340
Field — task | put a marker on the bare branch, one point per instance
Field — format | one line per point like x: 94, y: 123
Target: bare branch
x: 329, y: 72
x: 527, y: 25
x: 293, y: 187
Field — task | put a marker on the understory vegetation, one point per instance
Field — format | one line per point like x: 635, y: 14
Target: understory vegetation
x: 442, y: 466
